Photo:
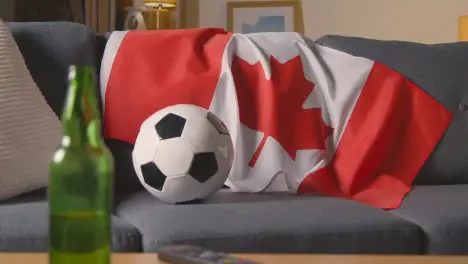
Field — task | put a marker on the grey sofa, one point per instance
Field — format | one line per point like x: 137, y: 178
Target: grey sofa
x: 433, y: 218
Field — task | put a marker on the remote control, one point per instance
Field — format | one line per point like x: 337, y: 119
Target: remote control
x: 185, y: 254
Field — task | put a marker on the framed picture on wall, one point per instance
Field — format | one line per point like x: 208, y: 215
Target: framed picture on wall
x: 264, y: 16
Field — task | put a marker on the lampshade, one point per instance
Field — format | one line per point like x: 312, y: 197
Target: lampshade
x: 164, y: 3
x: 463, y: 28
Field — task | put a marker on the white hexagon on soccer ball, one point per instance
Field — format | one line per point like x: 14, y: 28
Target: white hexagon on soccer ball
x: 173, y: 157
x: 146, y: 143
x: 200, y: 135
x: 181, y: 188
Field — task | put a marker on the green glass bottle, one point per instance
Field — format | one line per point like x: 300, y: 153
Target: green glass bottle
x: 80, y: 185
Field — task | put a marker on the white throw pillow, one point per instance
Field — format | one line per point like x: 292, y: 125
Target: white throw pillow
x: 29, y: 129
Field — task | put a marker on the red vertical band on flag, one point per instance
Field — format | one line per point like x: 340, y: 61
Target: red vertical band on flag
x: 156, y: 69
x: 391, y: 132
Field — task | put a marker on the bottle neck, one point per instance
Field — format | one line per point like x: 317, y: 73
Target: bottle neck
x: 81, y: 124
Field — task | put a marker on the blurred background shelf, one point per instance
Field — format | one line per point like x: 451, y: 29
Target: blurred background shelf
x: 101, y: 15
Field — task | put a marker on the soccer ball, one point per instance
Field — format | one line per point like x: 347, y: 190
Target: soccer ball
x: 182, y: 153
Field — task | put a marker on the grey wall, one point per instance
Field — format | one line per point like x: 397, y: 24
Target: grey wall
x: 7, y: 10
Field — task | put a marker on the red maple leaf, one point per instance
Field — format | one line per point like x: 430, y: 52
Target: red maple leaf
x: 274, y: 106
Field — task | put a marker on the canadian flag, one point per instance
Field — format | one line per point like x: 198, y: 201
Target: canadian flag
x: 303, y: 118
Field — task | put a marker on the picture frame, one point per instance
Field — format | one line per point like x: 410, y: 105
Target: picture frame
x: 264, y: 16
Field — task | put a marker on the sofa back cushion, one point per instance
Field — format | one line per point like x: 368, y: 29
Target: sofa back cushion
x: 442, y: 71
x: 49, y: 48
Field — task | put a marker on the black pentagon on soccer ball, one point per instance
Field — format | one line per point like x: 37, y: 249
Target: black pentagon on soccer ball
x: 204, y: 166
x: 170, y: 126
x: 153, y: 176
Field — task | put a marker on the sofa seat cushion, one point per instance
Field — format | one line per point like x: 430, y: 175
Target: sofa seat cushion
x: 24, y: 227
x: 269, y: 222
x: 438, y: 69
x: 442, y: 213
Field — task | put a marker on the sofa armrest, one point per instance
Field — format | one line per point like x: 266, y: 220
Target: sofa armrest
x: 49, y: 48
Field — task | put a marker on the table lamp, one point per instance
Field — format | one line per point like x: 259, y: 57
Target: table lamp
x: 167, y: 4
x: 463, y: 28
x: 150, y: 14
